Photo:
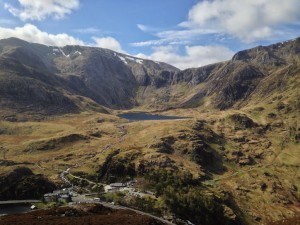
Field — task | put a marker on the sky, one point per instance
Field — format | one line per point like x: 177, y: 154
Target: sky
x: 183, y: 33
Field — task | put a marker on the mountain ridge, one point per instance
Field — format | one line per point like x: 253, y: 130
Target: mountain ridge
x: 119, y: 81
x: 99, y: 74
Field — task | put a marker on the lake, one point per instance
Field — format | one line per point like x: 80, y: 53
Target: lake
x: 147, y: 116
x: 14, y: 209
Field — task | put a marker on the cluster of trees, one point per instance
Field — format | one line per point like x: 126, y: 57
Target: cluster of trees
x: 185, y: 197
x: 162, y: 178
x: 146, y: 204
x: 116, y: 168
x: 196, y: 206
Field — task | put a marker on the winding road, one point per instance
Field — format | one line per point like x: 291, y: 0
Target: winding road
x: 84, y: 199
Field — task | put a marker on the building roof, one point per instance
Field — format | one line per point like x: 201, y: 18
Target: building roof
x: 64, y: 196
x: 49, y: 194
x: 118, y: 185
x: 61, y: 192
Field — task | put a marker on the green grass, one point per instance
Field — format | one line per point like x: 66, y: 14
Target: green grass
x: 46, y: 205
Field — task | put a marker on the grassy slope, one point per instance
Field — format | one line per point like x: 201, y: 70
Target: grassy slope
x: 278, y: 168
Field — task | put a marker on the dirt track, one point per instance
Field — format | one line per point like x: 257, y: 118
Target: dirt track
x: 88, y: 214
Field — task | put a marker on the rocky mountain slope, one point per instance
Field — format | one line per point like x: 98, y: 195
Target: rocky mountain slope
x: 250, y: 77
x: 57, y: 80
x: 53, y: 80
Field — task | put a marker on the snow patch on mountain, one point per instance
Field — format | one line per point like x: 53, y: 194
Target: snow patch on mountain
x: 123, y: 59
x: 140, y: 61
x: 78, y: 53
x: 130, y: 58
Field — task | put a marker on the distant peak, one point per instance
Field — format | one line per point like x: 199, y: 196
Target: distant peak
x: 14, y: 41
x: 253, y: 53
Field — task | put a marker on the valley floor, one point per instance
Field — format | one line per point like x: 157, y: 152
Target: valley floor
x: 247, y: 161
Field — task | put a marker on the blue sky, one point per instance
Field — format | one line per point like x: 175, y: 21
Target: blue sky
x: 184, y: 33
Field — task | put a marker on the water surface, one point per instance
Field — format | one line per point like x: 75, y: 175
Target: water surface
x: 147, y: 116
x: 14, y: 209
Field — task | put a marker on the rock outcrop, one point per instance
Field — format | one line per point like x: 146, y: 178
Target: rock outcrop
x: 21, y: 183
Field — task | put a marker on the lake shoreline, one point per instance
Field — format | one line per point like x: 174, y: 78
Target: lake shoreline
x: 138, y: 116
x: 14, y: 209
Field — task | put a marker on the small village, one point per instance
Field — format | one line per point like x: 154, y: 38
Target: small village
x: 68, y: 194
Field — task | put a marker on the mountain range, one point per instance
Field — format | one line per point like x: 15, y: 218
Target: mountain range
x: 232, y: 158
x: 54, y: 80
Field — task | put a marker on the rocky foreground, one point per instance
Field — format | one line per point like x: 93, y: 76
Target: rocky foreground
x: 77, y: 215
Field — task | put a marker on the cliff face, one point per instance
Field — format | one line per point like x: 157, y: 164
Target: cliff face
x: 50, y: 79
x: 251, y: 75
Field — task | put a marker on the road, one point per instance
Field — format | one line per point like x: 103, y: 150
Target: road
x: 13, y: 202
x: 84, y: 199
x: 64, y: 179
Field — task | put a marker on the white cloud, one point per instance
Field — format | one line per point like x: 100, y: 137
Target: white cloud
x: 184, y: 34
x: 108, y: 42
x: 148, y: 29
x: 171, y: 37
x: 248, y: 20
x: 195, y: 56
x: 88, y: 30
x: 160, y: 42
x: 41, y: 9
x: 143, y: 28
x: 149, y: 43
x: 31, y: 33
